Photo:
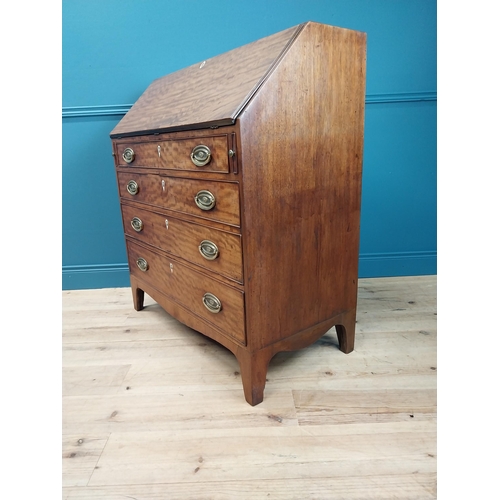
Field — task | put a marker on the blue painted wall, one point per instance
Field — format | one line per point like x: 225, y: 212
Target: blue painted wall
x: 113, y: 49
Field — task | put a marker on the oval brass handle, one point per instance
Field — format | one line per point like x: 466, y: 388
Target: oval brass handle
x: 132, y: 187
x: 137, y: 224
x: 205, y: 200
x: 142, y: 264
x: 208, y: 249
x: 128, y: 155
x: 212, y: 303
x: 200, y: 155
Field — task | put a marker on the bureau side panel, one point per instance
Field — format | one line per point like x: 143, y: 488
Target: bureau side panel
x: 301, y: 150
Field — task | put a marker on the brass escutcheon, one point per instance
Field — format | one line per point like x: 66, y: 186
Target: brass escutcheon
x: 212, y: 303
x: 128, y: 155
x: 205, y: 200
x: 142, y: 264
x: 208, y: 249
x: 200, y: 155
x: 137, y: 224
x: 132, y: 187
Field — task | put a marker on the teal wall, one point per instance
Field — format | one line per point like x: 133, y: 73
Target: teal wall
x: 113, y: 49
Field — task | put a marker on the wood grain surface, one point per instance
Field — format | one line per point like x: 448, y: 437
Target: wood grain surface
x: 176, y: 154
x: 154, y: 410
x: 182, y: 239
x: 187, y: 287
x: 208, y: 93
x: 178, y: 194
x: 302, y: 146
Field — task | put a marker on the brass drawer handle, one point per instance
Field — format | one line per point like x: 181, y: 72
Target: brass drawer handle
x: 128, y: 155
x: 200, y: 155
x: 205, y: 200
x: 209, y: 250
x: 212, y: 303
x: 137, y: 224
x: 132, y: 187
x: 142, y: 264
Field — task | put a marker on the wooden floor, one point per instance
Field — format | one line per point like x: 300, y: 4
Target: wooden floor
x: 155, y: 410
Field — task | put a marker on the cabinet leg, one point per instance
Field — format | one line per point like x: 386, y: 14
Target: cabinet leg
x: 346, y: 330
x: 138, y: 296
x: 253, y: 367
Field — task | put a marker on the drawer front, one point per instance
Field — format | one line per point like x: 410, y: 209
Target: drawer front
x: 220, y: 251
x: 189, y: 288
x: 140, y: 154
x: 179, y: 194
x: 203, y: 154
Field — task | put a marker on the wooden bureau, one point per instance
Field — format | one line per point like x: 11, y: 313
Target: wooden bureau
x: 239, y: 180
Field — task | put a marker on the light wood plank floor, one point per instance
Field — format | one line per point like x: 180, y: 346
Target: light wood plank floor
x: 155, y: 410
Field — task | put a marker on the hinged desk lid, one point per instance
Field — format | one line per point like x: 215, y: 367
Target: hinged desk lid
x: 209, y: 93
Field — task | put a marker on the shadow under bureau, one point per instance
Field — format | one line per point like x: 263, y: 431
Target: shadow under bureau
x: 239, y: 180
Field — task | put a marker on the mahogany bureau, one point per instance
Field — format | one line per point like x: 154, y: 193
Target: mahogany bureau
x: 239, y: 180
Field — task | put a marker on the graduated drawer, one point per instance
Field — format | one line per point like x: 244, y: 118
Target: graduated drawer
x: 215, y: 250
x: 204, y: 154
x: 179, y: 194
x: 189, y: 288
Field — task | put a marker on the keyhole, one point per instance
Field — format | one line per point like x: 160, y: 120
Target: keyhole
x: 163, y: 185
x: 159, y: 151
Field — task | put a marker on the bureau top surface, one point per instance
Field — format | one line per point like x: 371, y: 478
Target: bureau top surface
x: 212, y: 92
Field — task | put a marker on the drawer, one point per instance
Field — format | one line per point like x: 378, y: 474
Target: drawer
x: 179, y: 194
x: 220, y: 252
x: 203, y: 154
x: 189, y: 288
